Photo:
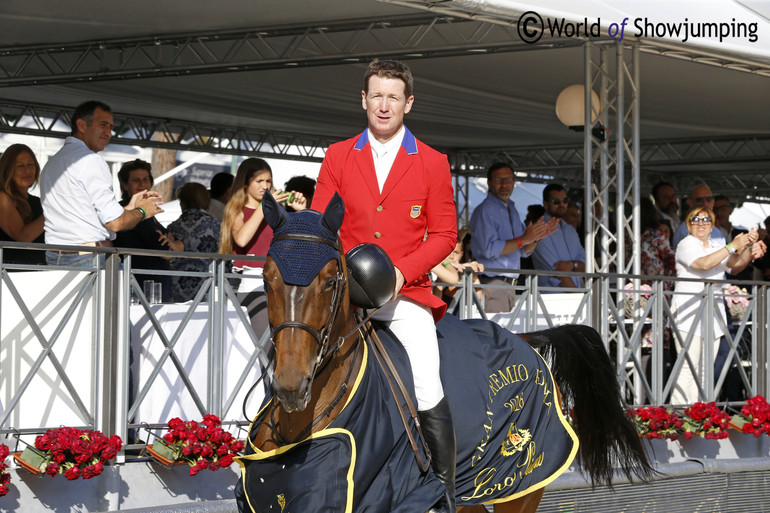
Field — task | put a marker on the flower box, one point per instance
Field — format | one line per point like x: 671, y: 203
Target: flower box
x: 33, y: 460
x: 202, y: 445
x: 754, y: 417
x: 737, y: 300
x: 628, y: 300
x: 167, y: 454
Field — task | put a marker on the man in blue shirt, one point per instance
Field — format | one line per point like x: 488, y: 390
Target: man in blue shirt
x: 499, y: 239
x: 562, y: 251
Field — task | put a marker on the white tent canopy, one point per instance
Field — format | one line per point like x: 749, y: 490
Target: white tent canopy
x: 476, y: 89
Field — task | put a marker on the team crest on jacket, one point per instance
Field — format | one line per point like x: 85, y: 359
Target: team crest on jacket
x: 415, y: 213
x: 281, y: 501
x: 515, y: 440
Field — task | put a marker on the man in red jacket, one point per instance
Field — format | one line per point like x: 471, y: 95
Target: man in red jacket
x: 398, y: 194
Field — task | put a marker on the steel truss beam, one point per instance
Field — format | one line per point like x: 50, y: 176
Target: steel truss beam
x: 53, y: 121
x: 659, y: 159
x: 341, y: 42
x: 674, y: 160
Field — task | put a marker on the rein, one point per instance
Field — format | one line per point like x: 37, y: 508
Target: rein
x: 383, y: 358
x: 307, y: 429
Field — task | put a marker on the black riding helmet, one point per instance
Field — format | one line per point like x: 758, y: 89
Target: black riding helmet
x: 371, y: 276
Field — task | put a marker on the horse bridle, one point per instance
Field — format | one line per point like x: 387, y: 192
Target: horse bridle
x: 321, y: 337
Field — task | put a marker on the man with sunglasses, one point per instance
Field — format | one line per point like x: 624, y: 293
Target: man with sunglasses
x: 700, y: 196
x: 563, y: 250
x: 499, y: 239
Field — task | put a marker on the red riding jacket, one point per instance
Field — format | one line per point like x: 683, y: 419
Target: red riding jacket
x: 417, y: 199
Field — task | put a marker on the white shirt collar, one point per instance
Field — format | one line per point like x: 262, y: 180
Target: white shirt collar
x: 382, y: 149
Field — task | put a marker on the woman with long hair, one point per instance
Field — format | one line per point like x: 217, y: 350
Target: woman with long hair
x: 21, y: 214
x: 244, y: 231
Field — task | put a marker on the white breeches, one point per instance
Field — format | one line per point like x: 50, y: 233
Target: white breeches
x: 413, y: 324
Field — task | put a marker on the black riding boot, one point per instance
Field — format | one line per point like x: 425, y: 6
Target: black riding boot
x: 439, y: 433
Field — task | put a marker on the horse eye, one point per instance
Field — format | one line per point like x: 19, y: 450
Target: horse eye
x: 267, y: 286
x: 329, y: 284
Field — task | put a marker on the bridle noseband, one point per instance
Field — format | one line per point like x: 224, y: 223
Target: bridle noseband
x: 322, y: 337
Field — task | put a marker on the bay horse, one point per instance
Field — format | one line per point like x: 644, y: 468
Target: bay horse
x: 330, y: 438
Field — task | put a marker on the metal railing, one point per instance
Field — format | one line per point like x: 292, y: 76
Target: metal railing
x: 640, y: 328
x: 66, y: 344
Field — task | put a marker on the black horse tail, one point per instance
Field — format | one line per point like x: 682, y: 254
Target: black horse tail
x: 586, y: 377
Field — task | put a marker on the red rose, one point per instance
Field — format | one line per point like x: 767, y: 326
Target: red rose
x: 115, y: 442
x: 5, y: 478
x: 88, y: 472
x: 211, y: 420
x: 4, y: 451
x: 109, y: 453
x: 226, y: 460
x: 207, y: 451
x: 52, y: 469
x: 3, y: 490
x: 72, y: 473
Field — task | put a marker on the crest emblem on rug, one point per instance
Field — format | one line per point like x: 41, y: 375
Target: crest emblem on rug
x: 415, y: 213
x: 515, y: 440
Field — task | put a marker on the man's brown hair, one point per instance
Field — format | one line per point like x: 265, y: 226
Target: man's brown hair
x: 390, y: 69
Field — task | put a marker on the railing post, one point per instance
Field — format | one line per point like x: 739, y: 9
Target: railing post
x: 107, y: 420
x: 760, y: 336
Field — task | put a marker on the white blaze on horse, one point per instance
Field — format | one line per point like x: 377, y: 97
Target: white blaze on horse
x: 339, y: 435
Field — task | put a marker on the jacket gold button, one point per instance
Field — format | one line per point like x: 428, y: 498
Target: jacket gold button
x: 377, y: 235
x: 379, y: 208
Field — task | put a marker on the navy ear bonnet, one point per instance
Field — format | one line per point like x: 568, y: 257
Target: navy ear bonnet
x: 301, y: 260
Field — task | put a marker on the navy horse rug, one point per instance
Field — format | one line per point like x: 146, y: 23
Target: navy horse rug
x: 511, y: 433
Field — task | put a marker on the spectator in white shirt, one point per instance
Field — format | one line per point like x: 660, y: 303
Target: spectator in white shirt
x: 701, y: 256
x: 79, y: 203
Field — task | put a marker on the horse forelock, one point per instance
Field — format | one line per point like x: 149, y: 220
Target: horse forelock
x: 299, y: 260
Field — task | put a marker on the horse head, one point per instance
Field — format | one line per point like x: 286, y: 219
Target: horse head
x: 308, y: 304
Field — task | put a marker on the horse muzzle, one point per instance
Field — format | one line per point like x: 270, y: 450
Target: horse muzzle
x: 293, y: 399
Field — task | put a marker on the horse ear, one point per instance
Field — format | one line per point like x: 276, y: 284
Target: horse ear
x: 275, y: 215
x: 334, y: 214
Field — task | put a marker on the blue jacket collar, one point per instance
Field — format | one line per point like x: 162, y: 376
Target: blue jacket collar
x: 409, y: 143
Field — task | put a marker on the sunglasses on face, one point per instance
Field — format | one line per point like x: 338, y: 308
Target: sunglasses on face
x: 700, y: 220
x: 556, y: 201
x: 704, y: 199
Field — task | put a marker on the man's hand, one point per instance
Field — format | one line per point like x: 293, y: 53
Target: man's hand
x: 399, y: 282
x: 758, y: 250
x: 149, y: 201
x: 539, y: 230
x: 563, y: 265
